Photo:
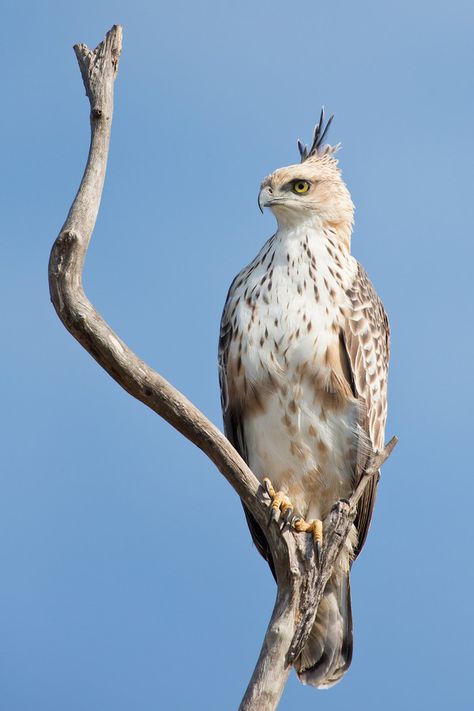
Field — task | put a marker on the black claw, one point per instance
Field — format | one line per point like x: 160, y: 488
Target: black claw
x: 317, y: 549
x: 287, y: 518
x: 273, y: 516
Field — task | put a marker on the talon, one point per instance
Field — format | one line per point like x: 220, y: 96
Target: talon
x: 315, y: 527
x: 294, y: 520
x: 300, y: 525
x: 286, y: 518
x: 280, y: 505
x: 278, y: 500
x: 273, y: 515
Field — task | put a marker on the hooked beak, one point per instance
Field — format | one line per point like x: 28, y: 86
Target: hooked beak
x: 265, y: 197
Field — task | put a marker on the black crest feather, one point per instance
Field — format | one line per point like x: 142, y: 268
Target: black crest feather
x: 320, y: 131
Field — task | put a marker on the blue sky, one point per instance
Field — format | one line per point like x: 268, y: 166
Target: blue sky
x: 129, y: 580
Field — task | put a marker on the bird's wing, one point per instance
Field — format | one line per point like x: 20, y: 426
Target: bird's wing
x: 366, y: 337
x: 233, y: 420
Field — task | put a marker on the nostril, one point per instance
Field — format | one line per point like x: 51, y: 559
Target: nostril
x: 270, y: 190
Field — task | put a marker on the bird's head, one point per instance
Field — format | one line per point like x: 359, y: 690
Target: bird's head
x: 312, y: 191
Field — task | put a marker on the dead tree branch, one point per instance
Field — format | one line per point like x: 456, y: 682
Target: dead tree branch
x: 301, y: 581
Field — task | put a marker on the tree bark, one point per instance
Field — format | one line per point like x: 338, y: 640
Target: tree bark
x: 301, y: 578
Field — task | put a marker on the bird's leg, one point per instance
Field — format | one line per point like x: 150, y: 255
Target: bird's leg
x: 315, y: 526
x: 280, y: 502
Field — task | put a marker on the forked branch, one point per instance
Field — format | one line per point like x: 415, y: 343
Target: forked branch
x: 300, y: 581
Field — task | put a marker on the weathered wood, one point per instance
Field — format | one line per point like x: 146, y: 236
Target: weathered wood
x: 300, y: 581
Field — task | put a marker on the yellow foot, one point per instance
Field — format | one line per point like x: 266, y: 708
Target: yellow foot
x: 280, y: 502
x: 315, y: 526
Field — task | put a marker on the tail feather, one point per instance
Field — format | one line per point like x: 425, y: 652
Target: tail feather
x: 328, y: 651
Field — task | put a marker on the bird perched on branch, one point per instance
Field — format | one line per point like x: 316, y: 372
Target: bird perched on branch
x: 303, y: 359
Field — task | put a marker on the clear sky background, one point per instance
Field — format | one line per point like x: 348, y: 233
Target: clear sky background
x: 128, y: 577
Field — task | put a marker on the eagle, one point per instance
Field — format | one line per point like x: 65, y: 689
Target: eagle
x: 303, y: 361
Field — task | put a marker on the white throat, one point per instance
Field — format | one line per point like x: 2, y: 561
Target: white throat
x: 291, y: 219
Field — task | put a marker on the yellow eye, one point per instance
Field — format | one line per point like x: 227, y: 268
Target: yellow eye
x: 301, y: 186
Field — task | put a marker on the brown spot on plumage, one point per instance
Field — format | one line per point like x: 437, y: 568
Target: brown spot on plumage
x: 322, y: 448
x: 286, y: 420
x: 296, y: 450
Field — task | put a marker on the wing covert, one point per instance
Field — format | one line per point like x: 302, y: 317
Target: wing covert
x: 367, y: 341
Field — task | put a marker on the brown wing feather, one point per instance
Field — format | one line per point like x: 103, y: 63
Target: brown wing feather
x: 367, y: 341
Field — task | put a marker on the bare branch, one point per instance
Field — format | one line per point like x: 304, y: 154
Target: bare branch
x: 301, y: 582
x: 79, y: 316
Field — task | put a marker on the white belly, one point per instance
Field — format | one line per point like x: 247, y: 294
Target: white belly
x: 305, y: 446
x: 306, y: 450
